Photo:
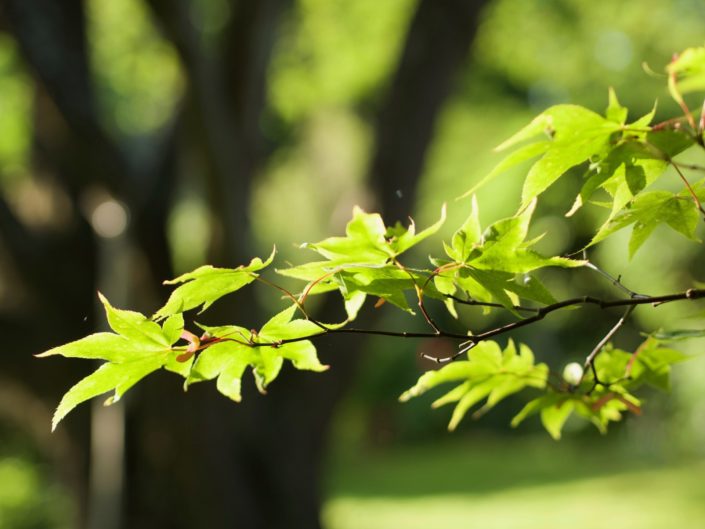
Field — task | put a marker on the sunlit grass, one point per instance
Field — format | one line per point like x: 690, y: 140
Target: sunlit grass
x: 517, y: 484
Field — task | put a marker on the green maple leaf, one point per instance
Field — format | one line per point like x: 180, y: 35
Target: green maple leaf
x: 554, y: 416
x: 138, y: 347
x: 488, y: 262
x: 689, y: 67
x: 206, y: 284
x: 502, y: 246
x: 649, y: 210
x: 571, y: 135
x: 228, y: 359
x: 361, y: 263
x: 467, y: 238
x: 368, y: 240
x: 628, y: 169
x: 600, y: 408
x: 621, y: 373
x: 650, y: 365
x: 489, y: 374
x: 615, y: 111
x: 522, y: 154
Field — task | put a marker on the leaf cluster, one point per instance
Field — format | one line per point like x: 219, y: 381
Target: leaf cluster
x: 497, y: 267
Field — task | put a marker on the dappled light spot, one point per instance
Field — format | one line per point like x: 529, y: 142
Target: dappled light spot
x: 109, y: 219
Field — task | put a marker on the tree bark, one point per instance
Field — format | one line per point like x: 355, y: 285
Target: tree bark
x: 199, y: 460
x: 435, y: 49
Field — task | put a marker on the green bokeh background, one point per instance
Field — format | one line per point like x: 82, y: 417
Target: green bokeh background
x: 393, y: 465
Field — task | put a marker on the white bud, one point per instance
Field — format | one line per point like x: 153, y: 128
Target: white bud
x: 573, y: 373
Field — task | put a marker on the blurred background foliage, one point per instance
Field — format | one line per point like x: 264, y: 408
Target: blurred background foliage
x: 331, y: 67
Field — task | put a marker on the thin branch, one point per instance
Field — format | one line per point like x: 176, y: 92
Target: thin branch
x: 690, y: 166
x: 672, y: 123
x: 690, y: 189
x: 677, y: 166
x: 309, y: 287
x: 369, y: 332
x: 419, y: 295
x: 616, y: 281
x: 590, y: 359
x: 632, y: 360
x: 287, y: 294
x: 589, y: 300
x: 476, y: 303
x: 675, y: 93
x: 691, y: 294
x: 463, y: 348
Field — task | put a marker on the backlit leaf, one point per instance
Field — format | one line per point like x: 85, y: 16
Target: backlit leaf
x: 362, y: 262
x: 228, y: 359
x: 679, y: 334
x: 140, y: 347
x: 690, y: 69
x: 646, y: 212
x: 108, y: 377
x: 522, y: 154
x: 467, y: 237
x: 577, y: 135
x: 105, y: 346
x: 133, y: 325
x: 553, y: 417
x: 615, y: 111
x: 137, y: 338
x: 489, y: 374
x: 205, y: 285
x: 487, y: 263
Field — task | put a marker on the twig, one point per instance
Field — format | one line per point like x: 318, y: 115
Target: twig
x: 284, y: 291
x: 632, y: 359
x: 590, y: 360
x: 691, y: 294
x: 616, y: 281
x: 463, y: 348
x: 309, y: 287
x: 419, y: 294
x: 474, y: 302
x: 690, y: 166
x: 675, y: 93
x: 672, y: 123
x: 299, y: 302
x: 690, y: 189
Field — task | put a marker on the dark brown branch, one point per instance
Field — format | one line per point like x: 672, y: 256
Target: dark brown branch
x: 436, y: 47
x: 690, y: 294
x: 589, y: 300
x: 476, y: 303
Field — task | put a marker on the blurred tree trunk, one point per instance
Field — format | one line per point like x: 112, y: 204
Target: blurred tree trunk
x: 436, y: 47
x: 199, y: 460
x: 57, y: 268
